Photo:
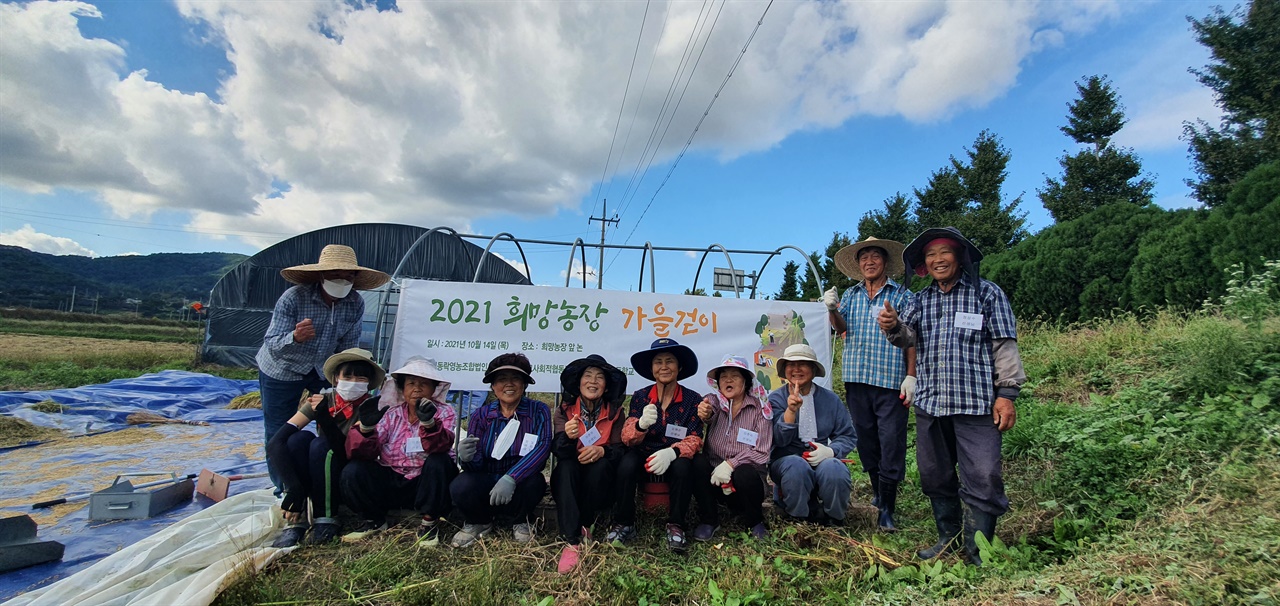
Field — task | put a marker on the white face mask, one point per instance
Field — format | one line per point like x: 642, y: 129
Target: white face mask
x: 337, y: 288
x: 351, y: 390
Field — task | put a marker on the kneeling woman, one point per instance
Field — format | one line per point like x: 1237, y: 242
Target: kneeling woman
x: 308, y: 466
x: 502, y: 456
x: 587, y: 445
x: 739, y: 436
x: 400, y: 454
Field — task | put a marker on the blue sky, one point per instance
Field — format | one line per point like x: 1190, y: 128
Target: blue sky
x: 146, y: 127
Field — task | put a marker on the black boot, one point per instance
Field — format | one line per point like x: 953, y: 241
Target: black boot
x: 975, y: 521
x: 946, y: 514
x: 875, y: 490
x: 888, y: 497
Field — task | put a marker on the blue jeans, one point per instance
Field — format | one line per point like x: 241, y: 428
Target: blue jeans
x: 799, y: 483
x: 280, y: 402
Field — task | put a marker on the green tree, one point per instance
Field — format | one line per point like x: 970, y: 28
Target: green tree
x: 809, y: 289
x: 893, y: 223
x: 966, y: 194
x: 1104, y: 174
x: 790, y: 290
x: 1243, y: 73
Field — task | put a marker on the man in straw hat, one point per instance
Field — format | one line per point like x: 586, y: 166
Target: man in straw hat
x: 879, y: 379
x: 970, y: 374
x: 312, y: 321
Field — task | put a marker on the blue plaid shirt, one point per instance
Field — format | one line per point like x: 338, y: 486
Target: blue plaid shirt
x: 954, y: 366
x: 868, y: 356
x: 337, y: 328
x: 487, y: 424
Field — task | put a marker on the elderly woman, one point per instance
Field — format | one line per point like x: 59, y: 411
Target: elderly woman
x: 401, y: 460
x: 663, y: 433
x: 812, y: 432
x: 739, y: 437
x: 587, y: 445
x: 309, y: 466
x: 502, y: 456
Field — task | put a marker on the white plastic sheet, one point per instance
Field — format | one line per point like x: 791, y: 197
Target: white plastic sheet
x: 187, y: 563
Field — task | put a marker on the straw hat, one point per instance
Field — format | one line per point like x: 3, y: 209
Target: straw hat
x: 800, y: 352
x: 847, y: 257
x: 355, y: 354
x: 336, y: 257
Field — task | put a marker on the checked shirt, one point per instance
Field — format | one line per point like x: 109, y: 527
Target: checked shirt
x: 868, y: 356
x: 337, y: 328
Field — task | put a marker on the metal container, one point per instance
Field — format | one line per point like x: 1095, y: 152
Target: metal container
x: 121, y: 501
x: 19, y: 546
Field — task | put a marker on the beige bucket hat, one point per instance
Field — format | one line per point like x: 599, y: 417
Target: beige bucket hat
x: 355, y: 354
x: 800, y: 353
x: 336, y: 257
x: 847, y: 257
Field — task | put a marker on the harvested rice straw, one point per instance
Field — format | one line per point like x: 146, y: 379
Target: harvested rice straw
x: 252, y: 399
x: 141, y: 418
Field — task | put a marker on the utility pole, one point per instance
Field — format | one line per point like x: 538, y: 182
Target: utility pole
x: 73, y: 300
x: 604, y: 222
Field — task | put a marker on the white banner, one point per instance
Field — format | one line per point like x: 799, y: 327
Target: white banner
x: 463, y: 326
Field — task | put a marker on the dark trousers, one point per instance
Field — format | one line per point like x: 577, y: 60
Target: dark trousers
x: 747, y: 499
x: 973, y: 443
x: 679, y: 479
x: 372, y: 489
x: 319, y: 468
x: 881, y: 422
x: 470, y: 492
x: 280, y: 401
x: 582, y: 493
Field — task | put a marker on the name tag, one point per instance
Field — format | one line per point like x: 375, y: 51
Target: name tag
x: 968, y: 321
x: 591, y: 437
x: 413, y: 445
x: 528, y: 444
x: 677, y: 432
x: 748, y: 437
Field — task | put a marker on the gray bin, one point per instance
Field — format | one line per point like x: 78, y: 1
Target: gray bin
x: 121, y: 501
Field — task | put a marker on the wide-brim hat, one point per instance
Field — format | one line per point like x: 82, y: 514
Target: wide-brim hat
x: 615, y: 381
x: 731, y: 361
x: 800, y: 352
x: 510, y: 361
x: 419, y: 366
x: 913, y: 256
x: 336, y: 257
x: 642, y: 361
x: 847, y: 257
x: 355, y: 354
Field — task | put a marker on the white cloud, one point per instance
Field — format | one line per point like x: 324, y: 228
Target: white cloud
x: 578, y: 273
x: 1159, y: 93
x: 441, y: 113
x: 27, y: 237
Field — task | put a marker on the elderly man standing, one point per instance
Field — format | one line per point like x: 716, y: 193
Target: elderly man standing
x: 312, y: 321
x: 879, y: 380
x: 970, y: 374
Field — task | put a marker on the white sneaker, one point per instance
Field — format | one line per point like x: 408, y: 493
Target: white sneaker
x: 469, y: 534
x: 523, y: 532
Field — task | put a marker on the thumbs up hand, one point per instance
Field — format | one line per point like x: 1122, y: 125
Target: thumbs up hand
x: 888, y: 318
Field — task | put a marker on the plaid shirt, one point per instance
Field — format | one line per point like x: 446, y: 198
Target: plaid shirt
x: 337, y: 328
x: 954, y: 365
x: 868, y: 356
x: 394, y: 431
x: 487, y: 422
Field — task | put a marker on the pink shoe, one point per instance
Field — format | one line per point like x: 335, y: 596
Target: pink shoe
x: 568, y: 559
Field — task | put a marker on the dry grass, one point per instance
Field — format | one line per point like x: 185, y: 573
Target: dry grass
x: 252, y: 399
x: 15, y: 431
x: 49, y: 406
x: 87, y: 352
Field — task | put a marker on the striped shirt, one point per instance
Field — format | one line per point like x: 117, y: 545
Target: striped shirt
x: 954, y: 364
x: 725, y: 441
x: 487, y: 422
x: 337, y: 328
x: 868, y: 357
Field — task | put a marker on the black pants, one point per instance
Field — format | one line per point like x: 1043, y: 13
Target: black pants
x: 747, y: 499
x: 582, y: 493
x: 372, y: 489
x: 679, y: 479
x: 969, y: 442
x: 470, y: 492
x: 319, y: 468
x: 881, y: 422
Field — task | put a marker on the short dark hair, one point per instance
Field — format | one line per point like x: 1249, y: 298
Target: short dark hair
x: 884, y: 254
x: 355, y: 368
x: 746, y: 374
x: 399, y: 379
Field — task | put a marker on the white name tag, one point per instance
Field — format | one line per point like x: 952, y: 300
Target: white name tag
x: 590, y: 438
x: 528, y: 444
x: 969, y: 321
x: 748, y: 437
x: 413, y: 445
x: 677, y: 432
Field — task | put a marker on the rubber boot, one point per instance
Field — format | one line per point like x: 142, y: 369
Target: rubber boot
x: 875, y: 490
x: 975, y: 521
x: 946, y: 514
x: 888, y: 496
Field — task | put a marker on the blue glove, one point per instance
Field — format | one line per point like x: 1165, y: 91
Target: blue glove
x: 502, y: 491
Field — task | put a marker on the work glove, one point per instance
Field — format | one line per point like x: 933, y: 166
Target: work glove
x: 426, y: 412
x: 648, y: 417
x: 658, y: 462
x: 722, y: 474
x: 467, y: 448
x: 831, y: 299
x: 294, y: 501
x: 818, y: 453
x: 502, y: 491
x: 369, y: 414
x: 907, y: 393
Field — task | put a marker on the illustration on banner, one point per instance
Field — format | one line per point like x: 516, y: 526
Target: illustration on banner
x: 778, y: 329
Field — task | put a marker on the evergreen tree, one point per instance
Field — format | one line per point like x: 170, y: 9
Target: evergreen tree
x: 790, y: 290
x: 831, y: 275
x: 1243, y: 73
x: 809, y: 290
x: 966, y: 195
x: 892, y: 223
x: 1101, y: 175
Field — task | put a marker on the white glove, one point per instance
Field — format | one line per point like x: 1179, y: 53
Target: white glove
x: 658, y: 462
x: 908, y: 390
x: 831, y: 299
x: 721, y: 474
x: 648, y: 417
x: 820, y: 453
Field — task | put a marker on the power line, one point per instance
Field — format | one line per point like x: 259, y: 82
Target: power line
x: 608, y: 158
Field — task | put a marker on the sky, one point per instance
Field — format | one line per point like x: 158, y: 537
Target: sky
x: 141, y: 127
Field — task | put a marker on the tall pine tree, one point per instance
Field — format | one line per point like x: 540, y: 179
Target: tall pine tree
x: 790, y: 290
x: 893, y: 223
